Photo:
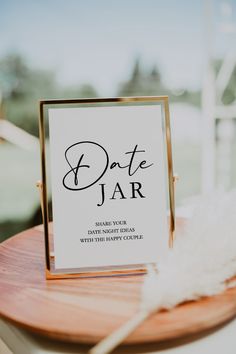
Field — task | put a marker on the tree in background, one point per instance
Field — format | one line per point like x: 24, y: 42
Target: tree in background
x: 83, y: 91
x: 22, y: 87
x: 148, y: 83
x: 229, y: 95
x: 141, y: 83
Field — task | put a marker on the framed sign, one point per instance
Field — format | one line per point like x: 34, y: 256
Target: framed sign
x: 108, y: 165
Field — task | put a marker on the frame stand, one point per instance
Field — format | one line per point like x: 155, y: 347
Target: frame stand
x: 39, y: 185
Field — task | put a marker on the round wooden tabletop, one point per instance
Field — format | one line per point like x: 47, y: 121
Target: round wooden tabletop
x: 87, y: 310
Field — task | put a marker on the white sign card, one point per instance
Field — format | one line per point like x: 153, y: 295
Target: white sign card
x: 109, y: 183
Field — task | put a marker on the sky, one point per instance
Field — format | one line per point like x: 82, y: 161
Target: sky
x: 97, y: 41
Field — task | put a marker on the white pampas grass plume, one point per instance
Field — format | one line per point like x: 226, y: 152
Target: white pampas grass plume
x: 203, y: 257
x: 202, y: 260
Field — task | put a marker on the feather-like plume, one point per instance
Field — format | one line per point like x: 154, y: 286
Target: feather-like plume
x: 202, y: 260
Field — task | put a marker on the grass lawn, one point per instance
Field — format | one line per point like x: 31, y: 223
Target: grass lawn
x: 20, y: 169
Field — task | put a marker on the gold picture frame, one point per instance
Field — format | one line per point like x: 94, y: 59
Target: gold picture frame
x: 51, y: 272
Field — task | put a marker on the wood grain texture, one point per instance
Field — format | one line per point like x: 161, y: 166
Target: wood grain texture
x: 87, y: 310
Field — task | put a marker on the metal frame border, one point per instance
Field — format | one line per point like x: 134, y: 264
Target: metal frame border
x: 50, y: 272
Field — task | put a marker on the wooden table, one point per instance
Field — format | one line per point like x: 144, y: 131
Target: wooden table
x: 86, y: 310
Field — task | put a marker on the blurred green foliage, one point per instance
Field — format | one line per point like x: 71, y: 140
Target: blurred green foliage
x: 22, y: 87
x: 150, y: 83
x: 229, y: 94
